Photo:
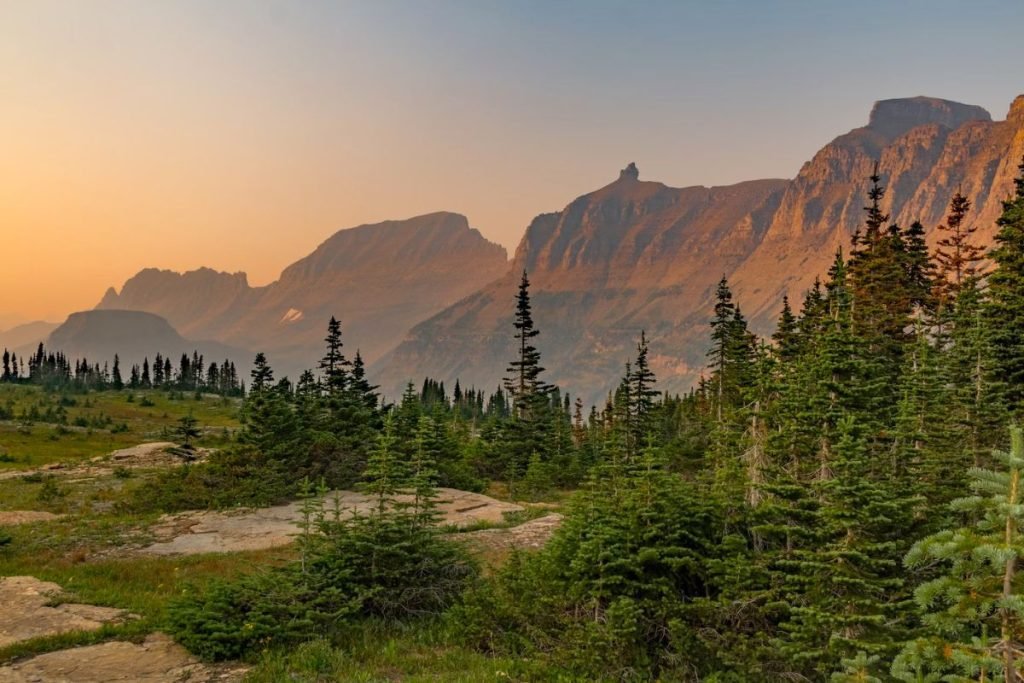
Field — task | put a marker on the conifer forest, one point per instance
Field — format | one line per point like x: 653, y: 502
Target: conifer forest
x: 839, y: 502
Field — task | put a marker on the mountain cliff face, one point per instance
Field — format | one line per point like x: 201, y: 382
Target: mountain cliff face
x: 952, y: 146
x: 633, y: 255
x: 196, y: 302
x: 377, y: 279
x: 639, y: 255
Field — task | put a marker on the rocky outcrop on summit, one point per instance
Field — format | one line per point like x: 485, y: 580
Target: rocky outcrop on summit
x: 378, y: 279
x: 922, y: 166
x: 639, y: 255
x: 892, y: 118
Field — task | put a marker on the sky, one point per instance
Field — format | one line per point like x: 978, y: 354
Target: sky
x: 239, y: 134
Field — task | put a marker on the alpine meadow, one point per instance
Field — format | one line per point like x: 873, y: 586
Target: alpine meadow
x: 769, y: 430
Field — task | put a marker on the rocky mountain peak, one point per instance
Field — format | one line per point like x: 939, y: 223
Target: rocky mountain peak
x: 631, y: 172
x: 1016, y: 112
x: 895, y: 117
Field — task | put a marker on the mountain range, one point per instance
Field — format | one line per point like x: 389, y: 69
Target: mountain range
x: 429, y: 296
x: 638, y: 255
x: 377, y: 279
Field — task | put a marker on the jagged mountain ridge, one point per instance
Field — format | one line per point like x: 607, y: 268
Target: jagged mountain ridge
x: 637, y: 255
x: 378, y: 279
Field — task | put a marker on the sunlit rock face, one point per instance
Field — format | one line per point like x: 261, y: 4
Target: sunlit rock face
x: 639, y: 255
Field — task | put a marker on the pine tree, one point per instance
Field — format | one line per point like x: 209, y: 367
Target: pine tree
x: 723, y: 328
x: 523, y: 380
x: 118, y: 382
x: 528, y: 431
x: 1005, y: 310
x: 643, y: 393
x: 957, y: 257
x: 974, y: 614
x: 786, y: 333
x: 846, y: 591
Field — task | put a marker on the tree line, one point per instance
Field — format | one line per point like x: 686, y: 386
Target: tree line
x: 53, y: 370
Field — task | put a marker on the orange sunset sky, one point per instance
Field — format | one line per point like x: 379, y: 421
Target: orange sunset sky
x: 239, y: 135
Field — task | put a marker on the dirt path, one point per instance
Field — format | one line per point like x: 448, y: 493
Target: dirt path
x: 190, y: 533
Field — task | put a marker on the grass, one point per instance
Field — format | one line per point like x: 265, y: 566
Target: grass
x: 71, y: 427
x: 88, y: 551
x: 141, y: 585
x: 417, y: 654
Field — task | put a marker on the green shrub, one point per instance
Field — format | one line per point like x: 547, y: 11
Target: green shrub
x: 379, y: 566
x: 50, y: 491
x: 283, y: 606
x: 230, y: 478
x: 608, y: 597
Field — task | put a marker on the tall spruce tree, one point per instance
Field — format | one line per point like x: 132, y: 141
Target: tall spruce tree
x: 1005, y: 310
x: 958, y: 258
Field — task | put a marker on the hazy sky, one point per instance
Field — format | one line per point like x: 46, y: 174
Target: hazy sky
x: 240, y: 134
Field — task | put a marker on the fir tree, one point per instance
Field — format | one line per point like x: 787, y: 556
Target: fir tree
x: 1005, y: 310
x: 957, y: 257
x: 117, y: 382
x: 973, y: 614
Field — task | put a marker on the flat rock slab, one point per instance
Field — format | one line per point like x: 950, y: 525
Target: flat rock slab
x: 156, y: 660
x: 197, y: 532
x: 153, y: 454
x: 12, y: 517
x: 26, y: 614
x: 527, y: 536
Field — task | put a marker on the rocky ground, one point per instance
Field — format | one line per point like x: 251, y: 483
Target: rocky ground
x: 530, y: 535
x: 157, y: 659
x: 146, y: 455
x: 31, y: 609
x: 12, y: 517
x: 190, y: 533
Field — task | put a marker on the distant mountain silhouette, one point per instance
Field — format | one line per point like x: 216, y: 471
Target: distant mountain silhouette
x: 133, y: 336
x: 379, y: 280
x: 27, y: 334
x: 632, y: 255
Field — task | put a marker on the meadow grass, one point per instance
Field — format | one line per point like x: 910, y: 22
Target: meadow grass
x: 90, y: 551
x: 418, y: 653
x: 96, y: 423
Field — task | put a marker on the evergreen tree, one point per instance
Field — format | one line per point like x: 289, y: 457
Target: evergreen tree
x: 786, y: 333
x: 1005, y: 310
x: 957, y: 256
x: 846, y: 592
x: 118, y: 382
x: 334, y: 366
x: 974, y: 614
x: 523, y: 381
